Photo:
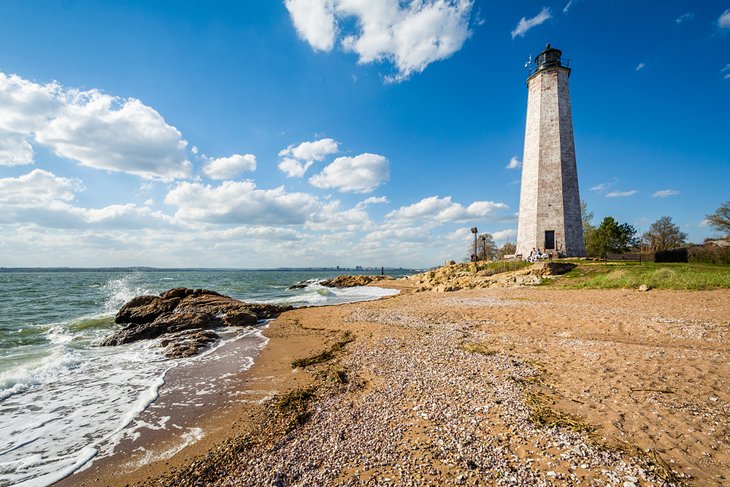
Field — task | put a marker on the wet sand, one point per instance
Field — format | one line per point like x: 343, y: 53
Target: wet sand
x: 443, y: 387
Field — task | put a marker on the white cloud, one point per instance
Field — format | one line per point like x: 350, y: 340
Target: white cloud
x: 373, y: 200
x: 332, y: 217
x: 684, y: 18
x: 259, y: 232
x: 294, y: 168
x: 314, y: 21
x: 315, y: 150
x: 567, y: 6
x: 15, y: 150
x: 665, y: 193
x: 240, y: 202
x: 94, y: 129
x: 601, y: 187
x: 526, y: 24
x: 298, y: 159
x: 410, y: 34
x: 359, y: 174
x: 42, y: 198
x: 640, y: 66
x: 514, y: 163
x: 724, y: 21
x: 230, y: 167
x: 390, y: 234
x: 726, y: 70
x: 505, y: 235
x: 620, y: 194
x: 443, y: 210
x: 38, y: 188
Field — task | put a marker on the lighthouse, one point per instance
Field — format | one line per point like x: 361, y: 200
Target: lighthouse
x: 550, y: 217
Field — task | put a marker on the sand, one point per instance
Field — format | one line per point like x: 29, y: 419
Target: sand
x: 443, y: 388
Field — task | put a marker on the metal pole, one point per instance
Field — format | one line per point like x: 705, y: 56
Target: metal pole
x: 476, y: 256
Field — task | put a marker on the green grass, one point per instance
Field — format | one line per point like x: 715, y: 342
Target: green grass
x: 491, y: 268
x: 631, y: 275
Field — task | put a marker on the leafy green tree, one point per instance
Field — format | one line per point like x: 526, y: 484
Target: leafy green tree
x: 720, y: 220
x: 509, y: 248
x: 586, y: 217
x: 610, y: 236
x: 664, y: 235
x: 588, y: 228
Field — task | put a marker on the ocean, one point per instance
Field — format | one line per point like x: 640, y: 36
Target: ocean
x: 64, y: 401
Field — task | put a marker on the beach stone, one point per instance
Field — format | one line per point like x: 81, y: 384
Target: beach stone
x: 188, y: 342
x: 644, y: 288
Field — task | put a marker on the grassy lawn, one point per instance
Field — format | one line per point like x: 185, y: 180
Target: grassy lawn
x: 631, y: 275
x: 491, y: 268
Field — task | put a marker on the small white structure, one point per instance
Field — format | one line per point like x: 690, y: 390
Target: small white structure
x: 550, y: 216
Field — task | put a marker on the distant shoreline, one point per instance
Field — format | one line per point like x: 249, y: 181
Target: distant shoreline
x: 366, y: 270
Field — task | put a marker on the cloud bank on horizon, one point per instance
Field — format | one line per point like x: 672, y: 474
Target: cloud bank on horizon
x: 124, y: 136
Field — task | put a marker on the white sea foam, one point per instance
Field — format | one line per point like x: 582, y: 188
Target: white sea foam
x: 315, y: 294
x: 187, y: 438
x: 65, y: 403
x: 63, y: 410
x: 119, y: 291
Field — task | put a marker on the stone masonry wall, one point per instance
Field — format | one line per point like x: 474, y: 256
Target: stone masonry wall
x: 549, y: 198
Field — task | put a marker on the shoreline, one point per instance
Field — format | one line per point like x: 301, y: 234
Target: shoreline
x: 577, y: 343
x: 224, y: 417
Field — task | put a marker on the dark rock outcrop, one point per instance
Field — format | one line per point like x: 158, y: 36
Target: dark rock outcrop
x: 352, y: 281
x: 188, y: 342
x: 186, y: 317
x: 144, y: 309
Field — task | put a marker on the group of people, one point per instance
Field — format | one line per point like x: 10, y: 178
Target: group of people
x: 536, y: 255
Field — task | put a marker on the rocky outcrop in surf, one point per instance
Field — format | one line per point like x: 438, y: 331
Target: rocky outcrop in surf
x: 352, y: 281
x: 186, y: 317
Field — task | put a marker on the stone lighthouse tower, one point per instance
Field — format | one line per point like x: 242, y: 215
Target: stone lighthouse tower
x: 550, y: 218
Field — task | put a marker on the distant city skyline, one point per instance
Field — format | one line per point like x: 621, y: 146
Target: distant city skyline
x: 296, y: 133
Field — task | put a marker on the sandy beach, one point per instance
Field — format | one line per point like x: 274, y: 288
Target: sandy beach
x: 509, y: 386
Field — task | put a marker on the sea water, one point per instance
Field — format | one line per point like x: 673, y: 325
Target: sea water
x: 65, y: 401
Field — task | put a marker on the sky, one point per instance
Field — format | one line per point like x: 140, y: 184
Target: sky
x: 267, y: 133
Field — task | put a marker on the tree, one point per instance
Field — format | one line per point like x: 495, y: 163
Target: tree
x: 509, y: 248
x: 486, y: 248
x: 588, y: 229
x: 586, y: 217
x: 664, y: 235
x: 610, y: 236
x: 720, y: 220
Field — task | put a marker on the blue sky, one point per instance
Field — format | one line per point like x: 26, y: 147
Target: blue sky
x: 264, y: 133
